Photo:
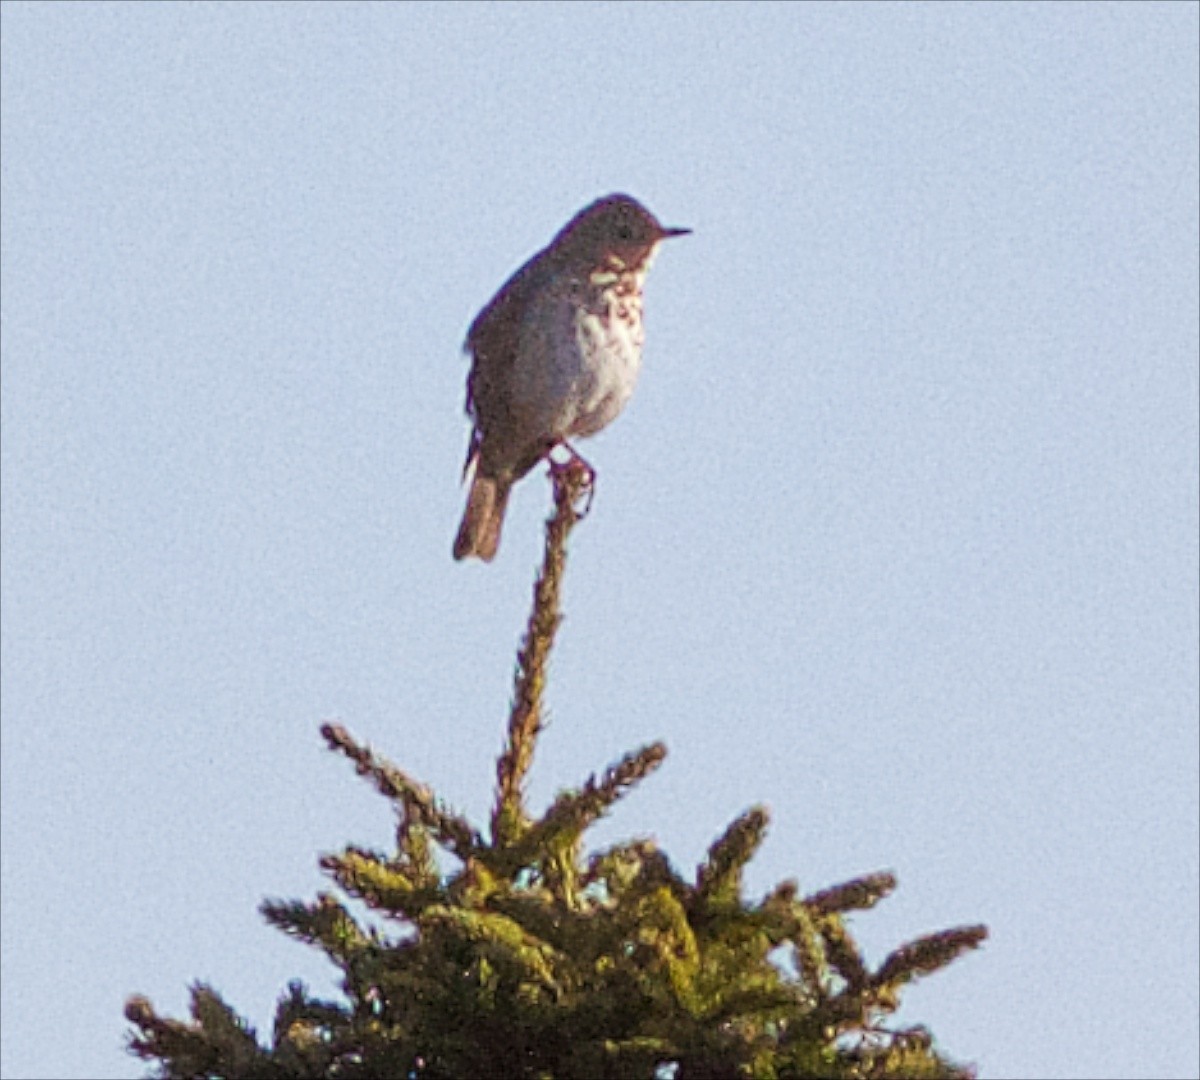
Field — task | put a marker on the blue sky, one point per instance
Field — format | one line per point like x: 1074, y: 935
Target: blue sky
x: 898, y: 535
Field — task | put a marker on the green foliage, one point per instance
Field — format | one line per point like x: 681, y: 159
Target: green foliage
x: 529, y: 960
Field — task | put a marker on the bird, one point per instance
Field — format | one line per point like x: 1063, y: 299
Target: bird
x: 554, y: 355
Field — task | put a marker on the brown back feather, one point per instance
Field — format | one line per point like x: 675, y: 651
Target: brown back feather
x: 492, y: 343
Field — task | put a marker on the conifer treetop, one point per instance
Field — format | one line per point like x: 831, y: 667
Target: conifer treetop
x: 527, y: 959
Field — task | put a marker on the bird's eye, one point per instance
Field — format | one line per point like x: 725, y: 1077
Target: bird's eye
x: 625, y: 232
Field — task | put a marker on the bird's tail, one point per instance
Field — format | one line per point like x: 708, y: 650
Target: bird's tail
x: 479, y: 533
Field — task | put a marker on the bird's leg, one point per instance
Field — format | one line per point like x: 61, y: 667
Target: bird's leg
x: 577, y: 466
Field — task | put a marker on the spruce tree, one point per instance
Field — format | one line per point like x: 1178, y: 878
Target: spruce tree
x: 533, y: 959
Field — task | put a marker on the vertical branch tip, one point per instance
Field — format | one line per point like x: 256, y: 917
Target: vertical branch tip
x: 525, y: 720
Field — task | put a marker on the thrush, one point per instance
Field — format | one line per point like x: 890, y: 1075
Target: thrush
x: 555, y: 355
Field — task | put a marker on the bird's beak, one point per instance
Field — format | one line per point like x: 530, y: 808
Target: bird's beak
x: 668, y: 233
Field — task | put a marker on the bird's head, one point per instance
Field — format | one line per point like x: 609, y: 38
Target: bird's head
x: 614, y: 233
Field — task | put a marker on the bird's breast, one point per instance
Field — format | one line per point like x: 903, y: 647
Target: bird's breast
x: 581, y: 351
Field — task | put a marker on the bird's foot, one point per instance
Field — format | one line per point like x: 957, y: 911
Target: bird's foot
x: 577, y: 473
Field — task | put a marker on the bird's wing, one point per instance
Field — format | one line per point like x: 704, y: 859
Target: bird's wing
x: 492, y: 342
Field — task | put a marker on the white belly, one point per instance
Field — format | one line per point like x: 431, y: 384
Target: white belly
x: 579, y: 358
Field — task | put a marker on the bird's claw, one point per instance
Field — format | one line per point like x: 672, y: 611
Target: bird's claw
x: 578, y: 473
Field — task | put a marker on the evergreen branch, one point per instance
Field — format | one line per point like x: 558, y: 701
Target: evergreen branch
x: 300, y: 1018
x: 720, y: 876
x: 505, y: 941
x: 908, y: 1057
x: 841, y: 1012
x: 779, y: 913
x: 843, y: 954
x: 450, y: 830
x: 380, y: 884
x: 221, y: 1023
x: 663, y: 926
x: 759, y: 1002
x: 525, y: 719
x: 631, y: 872
x: 784, y: 894
x: 640, y: 1050
x: 217, y: 1043
x: 169, y: 1040
x: 810, y: 953
x: 615, y: 869
x: 554, y: 843
x: 861, y: 893
x: 663, y: 923
x: 537, y: 914
x: 573, y: 811
x: 415, y: 853
x: 326, y: 923
x: 927, y: 954
x: 475, y: 884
